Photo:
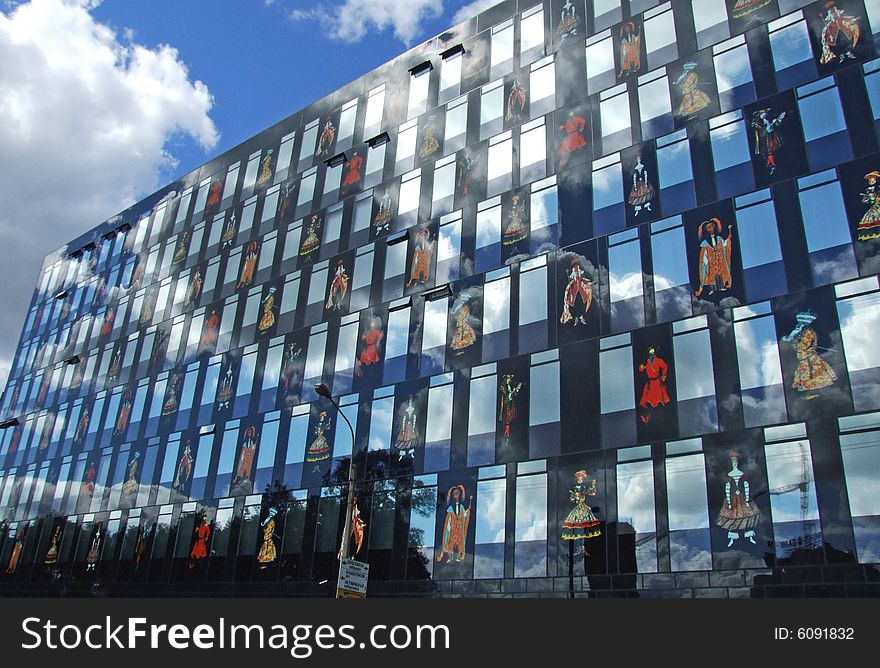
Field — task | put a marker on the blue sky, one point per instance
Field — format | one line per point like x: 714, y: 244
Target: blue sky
x: 104, y: 102
x: 260, y: 63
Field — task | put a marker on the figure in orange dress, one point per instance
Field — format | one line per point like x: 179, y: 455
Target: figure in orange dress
x: 420, y: 269
x: 630, y: 50
x: 209, y: 335
x: 715, y: 254
x: 693, y: 100
x: 266, y: 169
x: 455, y: 526
x: 654, y: 394
x: 200, y: 546
x: 246, y: 456
x: 250, y: 263
x: 124, y: 414
x: 214, y: 195
x: 268, y: 552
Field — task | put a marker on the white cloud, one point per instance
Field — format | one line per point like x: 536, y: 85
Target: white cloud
x: 472, y: 9
x: 87, y: 117
x: 351, y: 20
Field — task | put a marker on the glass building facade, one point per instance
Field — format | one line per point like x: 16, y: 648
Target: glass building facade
x: 595, y: 285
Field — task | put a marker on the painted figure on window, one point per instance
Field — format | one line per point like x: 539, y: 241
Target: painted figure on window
x: 292, y: 352
x: 465, y: 336
x: 837, y: 27
x: 195, y: 288
x: 109, y: 318
x: 169, y: 407
x: 641, y: 193
x: 574, y: 136
x: 214, y: 195
x: 768, y: 139
x: 408, y: 438
x: 141, y: 546
x: 569, y: 21
x: 157, y: 358
x: 467, y: 163
x: 812, y: 372
x: 225, y: 391
x: 229, y: 232
x: 739, y: 513
x: 654, y: 394
x: 354, y: 174
x: 869, y: 225
x: 326, y: 138
x: 130, y: 486
x: 82, y: 426
x: 17, y: 548
x: 743, y: 8
x: 693, y: 100
x: 429, y: 138
x: 46, y: 434
x: 579, y: 290
x: 266, y: 169
x: 319, y: 450
x: 382, y: 221
x: 94, y: 554
x: 267, y: 319
x: 358, y: 528
x: 250, y: 264
x: 184, y: 469
x: 423, y: 256
x: 509, y: 390
x: 209, y: 335
x: 202, y: 533
x: 581, y: 523
x: 180, y: 252
x: 515, y: 228
x: 630, y: 50
x: 148, y: 307
x: 268, y: 553
x: 87, y: 488
x: 115, y: 367
x: 714, y: 262
x: 516, y: 102
x: 285, y: 199
x: 455, y: 525
x: 246, y: 457
x: 372, y: 339
x: 52, y: 553
x: 338, y: 288
x: 311, y: 241
x: 124, y: 414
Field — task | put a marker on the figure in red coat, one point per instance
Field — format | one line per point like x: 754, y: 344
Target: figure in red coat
x: 574, y: 136
x: 200, y: 547
x: 654, y: 395
x: 370, y: 353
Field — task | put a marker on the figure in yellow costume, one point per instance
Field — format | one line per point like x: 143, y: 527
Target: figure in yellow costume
x: 455, y: 525
x: 268, y: 553
x: 693, y: 100
x: 268, y: 317
x: 812, y: 371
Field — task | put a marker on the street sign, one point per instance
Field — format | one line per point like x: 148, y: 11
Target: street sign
x: 353, y: 576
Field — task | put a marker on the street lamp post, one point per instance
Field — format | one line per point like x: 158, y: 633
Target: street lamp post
x: 324, y: 391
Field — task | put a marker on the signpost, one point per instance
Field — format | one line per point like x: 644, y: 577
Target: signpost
x: 352, y: 579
